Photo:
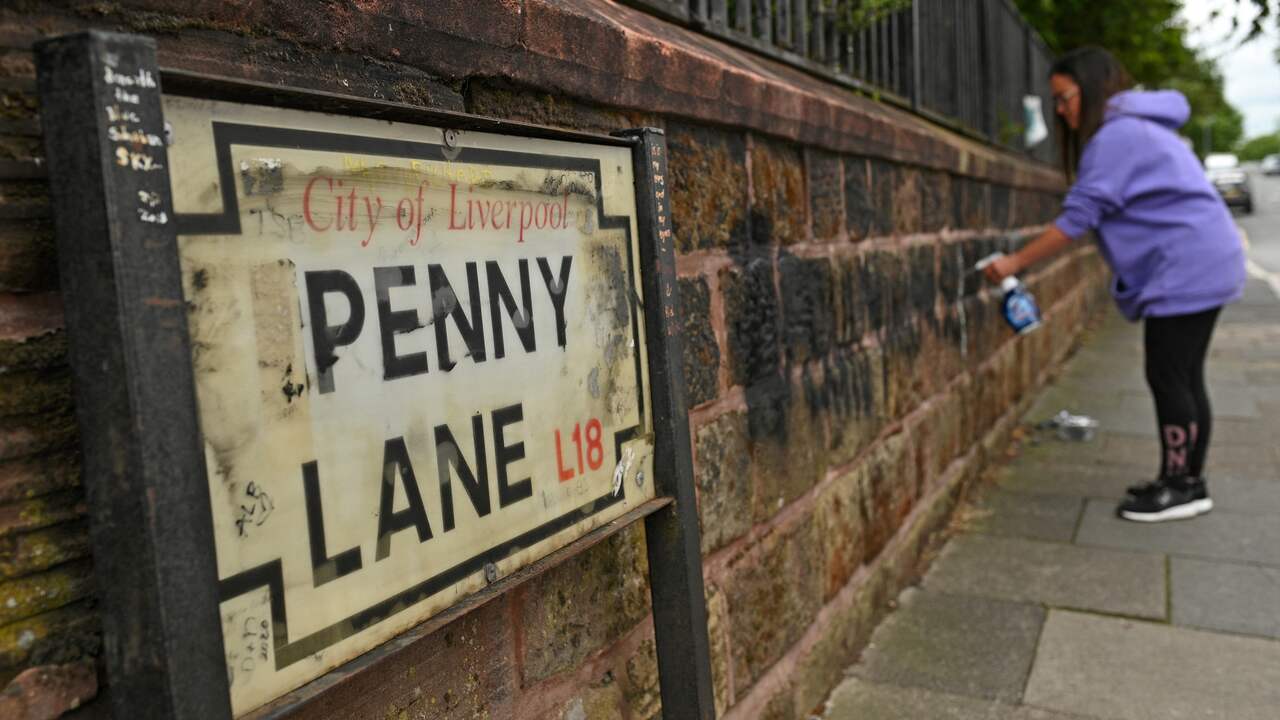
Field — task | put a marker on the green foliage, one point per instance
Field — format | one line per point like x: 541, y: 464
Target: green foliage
x: 1150, y: 39
x: 849, y: 15
x: 1008, y: 130
x: 866, y: 12
x: 858, y: 14
x: 1260, y: 147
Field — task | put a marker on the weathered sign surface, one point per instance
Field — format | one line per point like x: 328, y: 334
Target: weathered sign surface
x: 419, y: 362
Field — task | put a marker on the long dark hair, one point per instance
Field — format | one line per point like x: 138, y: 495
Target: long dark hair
x: 1099, y: 75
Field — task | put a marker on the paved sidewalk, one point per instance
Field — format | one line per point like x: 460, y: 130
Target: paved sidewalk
x: 1045, y: 606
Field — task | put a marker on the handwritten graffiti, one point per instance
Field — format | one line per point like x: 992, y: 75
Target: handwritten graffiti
x: 255, y: 511
x: 252, y: 651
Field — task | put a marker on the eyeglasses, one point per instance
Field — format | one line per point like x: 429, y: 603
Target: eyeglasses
x: 1064, y: 98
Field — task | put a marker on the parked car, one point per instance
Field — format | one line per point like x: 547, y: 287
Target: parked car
x: 1233, y: 186
x: 1271, y: 165
x: 1214, y: 162
x: 1231, y: 181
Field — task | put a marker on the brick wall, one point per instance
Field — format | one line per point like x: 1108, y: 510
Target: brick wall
x: 847, y: 374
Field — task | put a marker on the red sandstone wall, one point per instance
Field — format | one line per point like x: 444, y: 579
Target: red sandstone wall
x: 847, y: 377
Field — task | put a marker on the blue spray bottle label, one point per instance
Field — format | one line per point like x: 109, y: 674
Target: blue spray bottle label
x: 1019, y: 307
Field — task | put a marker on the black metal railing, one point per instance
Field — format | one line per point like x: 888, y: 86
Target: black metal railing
x: 964, y: 63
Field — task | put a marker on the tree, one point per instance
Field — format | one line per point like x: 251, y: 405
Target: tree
x: 1150, y: 39
x: 1266, y: 9
x: 1260, y: 147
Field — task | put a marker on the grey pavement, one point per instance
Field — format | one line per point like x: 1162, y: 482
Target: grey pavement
x: 1044, y: 605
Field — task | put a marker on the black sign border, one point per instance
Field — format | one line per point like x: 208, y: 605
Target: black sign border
x: 228, y: 223
x: 143, y: 462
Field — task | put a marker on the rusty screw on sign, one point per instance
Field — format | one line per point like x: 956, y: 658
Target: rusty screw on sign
x: 451, y: 139
x: 490, y: 573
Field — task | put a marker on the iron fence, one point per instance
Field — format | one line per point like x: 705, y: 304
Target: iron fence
x: 964, y: 63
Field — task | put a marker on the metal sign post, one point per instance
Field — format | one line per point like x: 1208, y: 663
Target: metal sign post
x: 347, y: 369
x: 127, y: 329
x: 675, y: 564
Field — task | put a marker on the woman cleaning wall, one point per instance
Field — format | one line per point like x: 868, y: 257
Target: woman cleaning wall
x: 1171, y: 244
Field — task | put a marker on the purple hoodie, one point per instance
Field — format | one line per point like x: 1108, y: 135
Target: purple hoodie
x: 1165, y: 232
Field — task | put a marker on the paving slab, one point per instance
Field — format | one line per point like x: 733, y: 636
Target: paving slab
x: 1132, y: 670
x: 860, y: 700
x: 1259, y: 433
x: 1001, y: 512
x: 1260, y: 464
x: 1047, y: 449
x: 1076, y: 400
x: 1222, y: 372
x: 1089, y: 374
x: 953, y: 643
x: 1219, y: 535
x: 1080, y: 481
x: 1270, y: 407
x: 1225, y: 596
x: 1263, y: 376
x: 1226, y: 400
x: 1246, y: 495
x: 1055, y: 574
x: 1131, y: 418
x: 1265, y: 394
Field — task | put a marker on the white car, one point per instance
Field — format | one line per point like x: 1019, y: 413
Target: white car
x: 1217, y: 162
x: 1230, y: 180
x: 1271, y: 165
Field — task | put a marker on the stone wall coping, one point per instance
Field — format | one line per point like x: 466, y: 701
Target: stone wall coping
x: 597, y: 51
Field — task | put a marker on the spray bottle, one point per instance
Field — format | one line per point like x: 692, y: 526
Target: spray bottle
x: 1019, y: 307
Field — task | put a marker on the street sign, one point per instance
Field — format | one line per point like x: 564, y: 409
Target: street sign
x: 418, y: 367
x: 344, y: 366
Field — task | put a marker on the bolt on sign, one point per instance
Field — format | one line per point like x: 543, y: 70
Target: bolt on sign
x: 417, y: 355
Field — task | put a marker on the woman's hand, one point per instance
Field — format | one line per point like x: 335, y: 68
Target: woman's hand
x: 1050, y: 242
x: 1002, y: 267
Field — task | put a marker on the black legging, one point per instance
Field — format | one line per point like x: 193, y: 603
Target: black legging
x: 1175, y: 348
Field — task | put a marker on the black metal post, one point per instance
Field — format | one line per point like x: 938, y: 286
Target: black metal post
x: 987, y: 43
x: 917, y: 73
x: 143, y: 462
x: 675, y: 559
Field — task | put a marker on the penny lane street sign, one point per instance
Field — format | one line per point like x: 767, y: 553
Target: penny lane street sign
x: 405, y: 365
x: 415, y: 360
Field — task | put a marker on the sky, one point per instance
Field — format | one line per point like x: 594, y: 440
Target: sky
x: 1251, y: 72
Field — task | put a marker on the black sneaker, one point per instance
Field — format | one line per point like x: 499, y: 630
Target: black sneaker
x: 1170, y: 499
x: 1198, y: 486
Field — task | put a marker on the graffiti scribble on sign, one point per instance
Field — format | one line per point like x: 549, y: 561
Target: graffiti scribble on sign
x: 243, y: 660
x: 256, y: 634
x: 255, y: 511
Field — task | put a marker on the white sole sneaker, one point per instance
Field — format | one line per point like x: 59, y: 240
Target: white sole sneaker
x: 1185, y: 511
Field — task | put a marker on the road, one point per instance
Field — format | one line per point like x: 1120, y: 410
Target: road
x: 1263, y: 226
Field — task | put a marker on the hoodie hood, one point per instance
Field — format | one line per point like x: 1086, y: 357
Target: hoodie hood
x: 1166, y: 107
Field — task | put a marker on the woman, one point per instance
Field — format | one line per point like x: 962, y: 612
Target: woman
x: 1170, y: 241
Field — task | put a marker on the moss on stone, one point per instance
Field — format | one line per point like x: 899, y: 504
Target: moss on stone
x: 42, y: 351
x: 26, y: 435
x: 32, y: 552
x: 42, y: 592
x: 63, y: 635
x: 35, y: 477
x: 41, y: 512
x: 33, y: 391
x: 18, y: 105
